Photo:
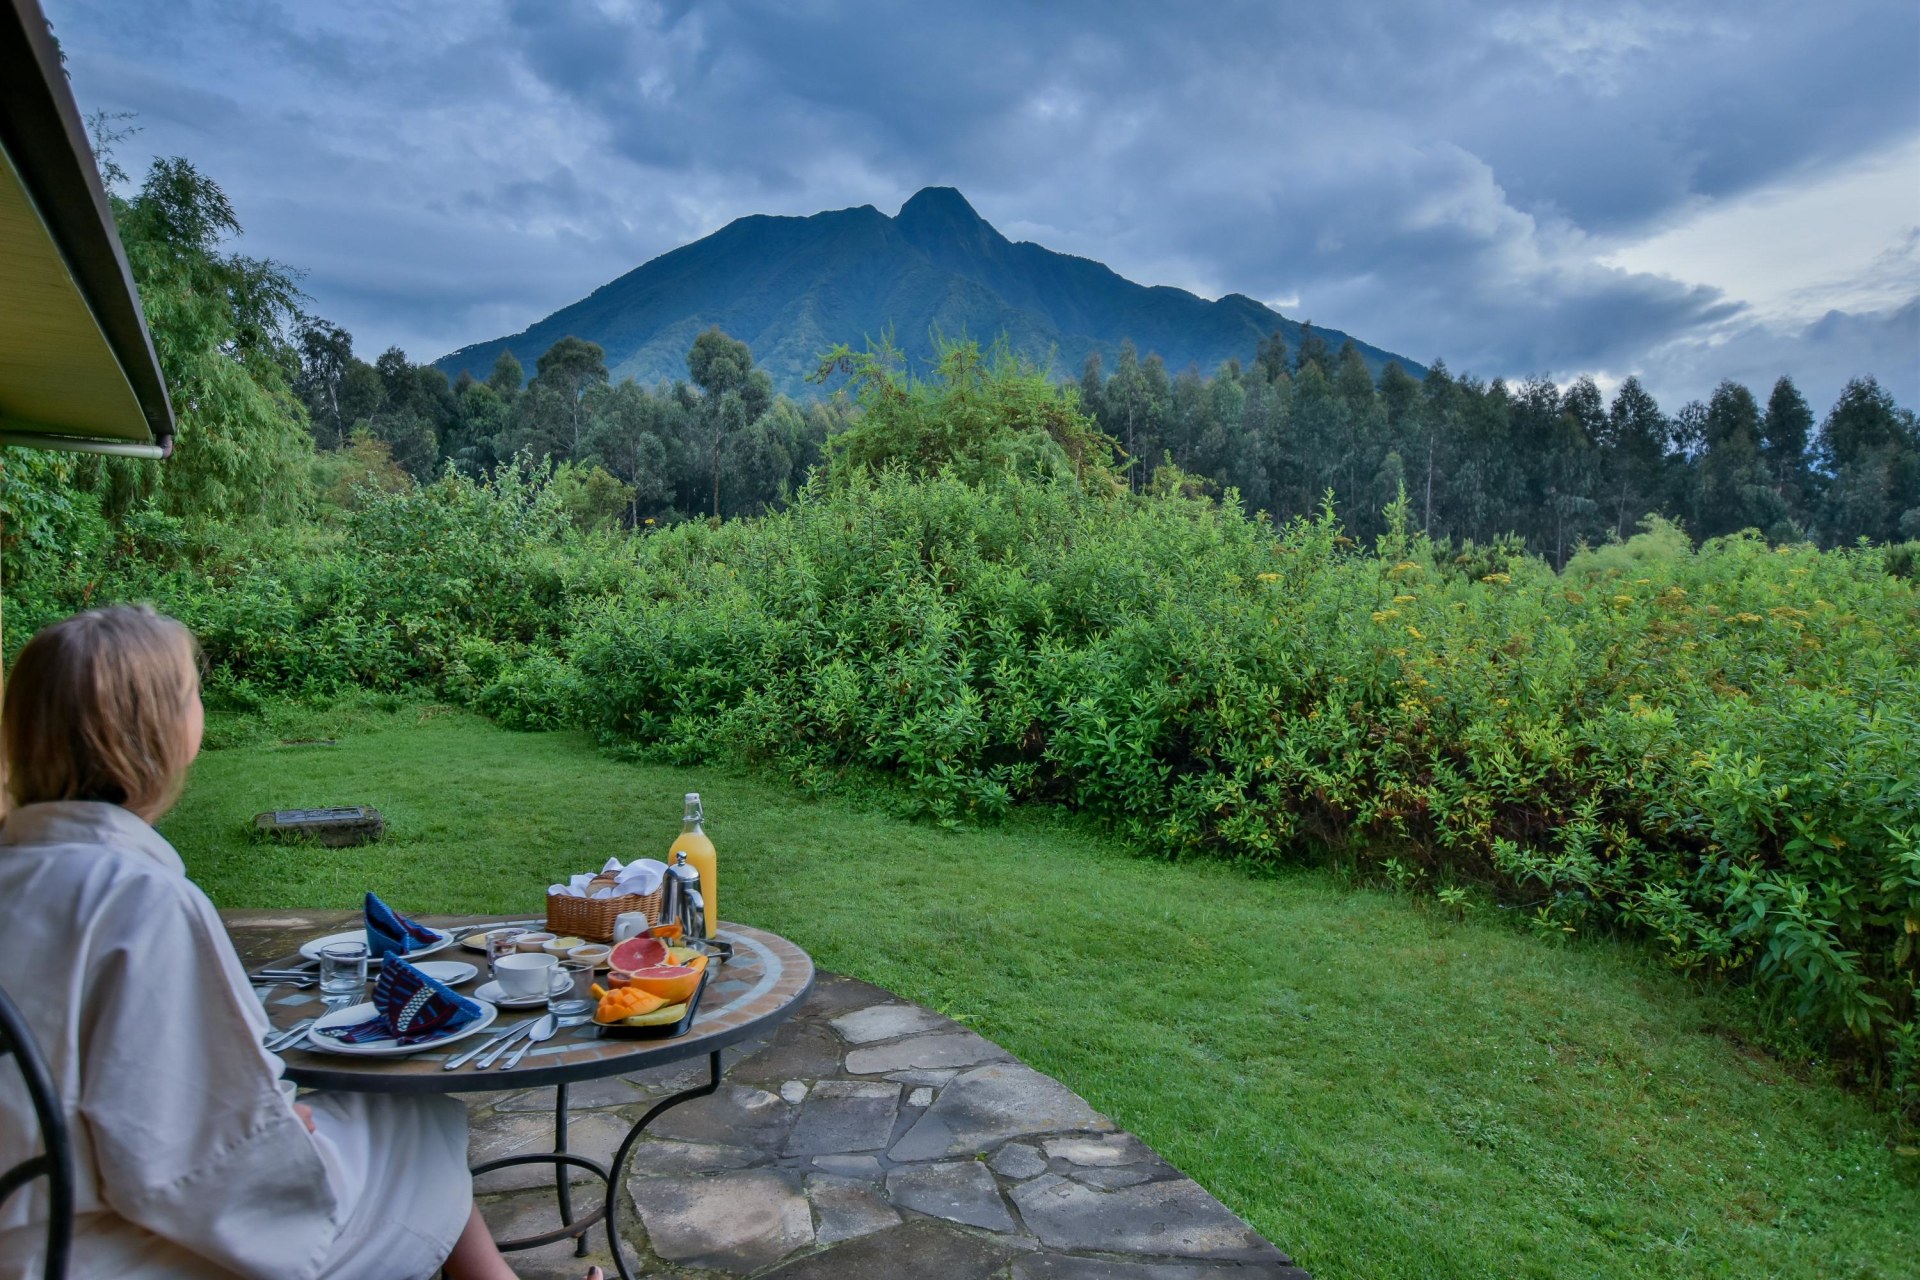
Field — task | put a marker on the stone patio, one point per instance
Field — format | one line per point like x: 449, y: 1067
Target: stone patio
x: 870, y: 1139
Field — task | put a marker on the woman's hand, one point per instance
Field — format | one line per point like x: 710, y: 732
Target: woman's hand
x: 305, y: 1113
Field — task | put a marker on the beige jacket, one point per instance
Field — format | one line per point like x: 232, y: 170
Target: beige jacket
x: 189, y: 1158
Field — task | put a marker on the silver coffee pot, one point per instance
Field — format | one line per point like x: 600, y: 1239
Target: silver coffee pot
x: 682, y: 903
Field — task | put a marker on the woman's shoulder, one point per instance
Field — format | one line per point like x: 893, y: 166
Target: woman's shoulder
x: 83, y: 827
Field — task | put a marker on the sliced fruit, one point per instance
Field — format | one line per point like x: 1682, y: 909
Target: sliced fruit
x: 659, y: 1017
x: 684, y: 955
x: 639, y: 953
x: 671, y: 981
x: 626, y: 1003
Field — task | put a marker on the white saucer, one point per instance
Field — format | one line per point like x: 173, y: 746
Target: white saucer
x: 311, y: 950
x: 386, y: 1048
x: 451, y: 972
x: 492, y: 993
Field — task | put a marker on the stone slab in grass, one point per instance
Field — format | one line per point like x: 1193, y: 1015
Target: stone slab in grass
x: 336, y: 828
x: 984, y: 1107
x: 1175, y: 1218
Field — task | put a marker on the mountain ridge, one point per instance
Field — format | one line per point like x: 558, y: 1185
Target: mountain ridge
x: 791, y: 287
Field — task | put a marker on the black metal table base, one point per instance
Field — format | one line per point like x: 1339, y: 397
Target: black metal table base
x: 608, y: 1211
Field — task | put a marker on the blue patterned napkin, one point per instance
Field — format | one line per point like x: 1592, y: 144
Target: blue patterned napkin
x: 391, y: 934
x: 412, y: 1007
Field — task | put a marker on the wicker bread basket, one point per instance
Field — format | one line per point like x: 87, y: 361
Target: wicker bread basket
x: 593, y: 918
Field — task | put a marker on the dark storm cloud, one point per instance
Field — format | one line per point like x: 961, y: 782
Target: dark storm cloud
x: 1442, y: 178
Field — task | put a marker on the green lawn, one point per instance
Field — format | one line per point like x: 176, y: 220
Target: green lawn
x: 1382, y: 1091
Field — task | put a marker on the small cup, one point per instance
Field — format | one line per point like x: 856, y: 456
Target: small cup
x: 526, y: 974
x: 593, y: 953
x: 531, y: 941
x: 501, y: 942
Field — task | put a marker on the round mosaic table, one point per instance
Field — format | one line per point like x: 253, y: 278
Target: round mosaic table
x: 764, y: 981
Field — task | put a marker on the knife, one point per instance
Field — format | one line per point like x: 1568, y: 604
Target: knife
x: 544, y: 1031
x: 494, y: 1041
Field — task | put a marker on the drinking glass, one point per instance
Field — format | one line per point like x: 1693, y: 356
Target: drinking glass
x: 343, y: 970
x: 500, y: 943
x: 571, y: 1002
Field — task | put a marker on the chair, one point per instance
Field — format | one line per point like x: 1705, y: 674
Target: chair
x: 55, y: 1163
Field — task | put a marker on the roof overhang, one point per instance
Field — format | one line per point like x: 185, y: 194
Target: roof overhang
x: 77, y: 366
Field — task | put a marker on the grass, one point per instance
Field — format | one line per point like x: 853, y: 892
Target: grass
x: 1383, y: 1091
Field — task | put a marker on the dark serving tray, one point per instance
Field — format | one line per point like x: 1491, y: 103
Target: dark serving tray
x: 666, y: 1030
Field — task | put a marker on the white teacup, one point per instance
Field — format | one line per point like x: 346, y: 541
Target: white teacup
x: 526, y: 974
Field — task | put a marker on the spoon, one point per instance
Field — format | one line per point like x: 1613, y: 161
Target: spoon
x: 543, y: 1030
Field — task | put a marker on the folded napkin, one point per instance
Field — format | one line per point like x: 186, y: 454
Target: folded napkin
x: 642, y: 876
x: 391, y: 934
x: 411, y: 1007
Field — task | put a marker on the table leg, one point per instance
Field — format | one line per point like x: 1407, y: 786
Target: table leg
x: 562, y: 1187
x: 612, y: 1210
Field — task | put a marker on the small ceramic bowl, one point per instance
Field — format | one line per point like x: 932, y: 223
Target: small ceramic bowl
x: 592, y: 953
x: 532, y: 941
x: 558, y: 947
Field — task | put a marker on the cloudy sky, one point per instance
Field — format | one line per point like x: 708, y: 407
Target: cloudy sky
x: 1683, y: 190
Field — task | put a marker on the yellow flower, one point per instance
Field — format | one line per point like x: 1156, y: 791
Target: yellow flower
x: 1623, y: 599
x: 1385, y: 615
x: 1498, y: 578
x: 1266, y: 577
x: 1415, y: 633
x: 1746, y: 617
x: 1405, y: 599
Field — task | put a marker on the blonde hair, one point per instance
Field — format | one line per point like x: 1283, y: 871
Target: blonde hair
x: 96, y: 709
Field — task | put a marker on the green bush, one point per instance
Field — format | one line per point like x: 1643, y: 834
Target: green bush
x: 1718, y: 750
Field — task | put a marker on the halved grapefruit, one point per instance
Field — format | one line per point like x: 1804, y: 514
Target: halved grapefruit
x: 639, y: 953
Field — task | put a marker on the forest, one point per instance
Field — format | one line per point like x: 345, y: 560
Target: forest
x: 1555, y: 467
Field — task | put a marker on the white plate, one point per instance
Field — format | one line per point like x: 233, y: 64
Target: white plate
x: 387, y: 1048
x: 493, y: 993
x: 451, y: 972
x: 311, y: 950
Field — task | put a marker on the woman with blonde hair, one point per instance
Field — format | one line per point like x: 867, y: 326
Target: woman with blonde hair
x: 191, y: 1156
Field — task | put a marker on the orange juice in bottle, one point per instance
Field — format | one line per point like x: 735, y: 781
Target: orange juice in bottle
x: 700, y: 856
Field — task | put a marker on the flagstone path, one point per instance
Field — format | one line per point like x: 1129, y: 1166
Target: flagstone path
x: 870, y: 1139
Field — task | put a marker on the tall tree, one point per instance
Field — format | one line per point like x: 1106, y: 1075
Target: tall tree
x: 508, y: 377
x: 569, y: 369
x: 1785, y: 436
x: 1634, y: 449
x: 1870, y: 449
x: 734, y: 395
x: 221, y: 324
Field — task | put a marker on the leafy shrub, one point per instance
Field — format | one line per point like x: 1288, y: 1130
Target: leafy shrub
x: 1718, y: 750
